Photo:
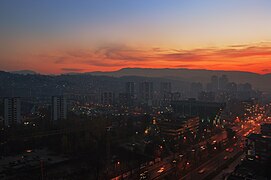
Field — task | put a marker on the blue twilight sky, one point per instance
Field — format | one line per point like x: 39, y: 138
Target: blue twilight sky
x: 135, y: 20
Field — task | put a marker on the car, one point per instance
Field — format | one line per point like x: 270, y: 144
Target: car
x: 144, y: 175
x: 225, y: 157
x: 142, y: 166
x: 162, y: 169
x: 201, y: 171
x: 229, y: 149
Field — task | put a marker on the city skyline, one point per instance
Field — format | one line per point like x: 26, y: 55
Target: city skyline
x: 109, y: 35
x: 135, y: 89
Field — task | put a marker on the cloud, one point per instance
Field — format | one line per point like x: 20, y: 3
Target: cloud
x: 60, y: 60
x: 245, y: 52
x: 185, y: 66
x: 78, y: 53
x: 123, y: 56
x: 239, y: 46
x: 266, y: 70
x: 247, y: 64
x: 72, y: 69
x: 121, y: 53
x: 115, y: 56
x: 184, y: 57
x: 102, y: 63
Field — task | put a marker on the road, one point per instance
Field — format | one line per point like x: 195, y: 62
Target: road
x: 230, y: 168
x: 167, y: 165
x: 211, y: 165
x: 220, y: 159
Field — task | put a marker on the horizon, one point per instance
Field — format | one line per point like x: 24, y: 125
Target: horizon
x: 148, y: 68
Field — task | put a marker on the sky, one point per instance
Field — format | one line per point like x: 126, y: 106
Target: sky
x: 60, y: 36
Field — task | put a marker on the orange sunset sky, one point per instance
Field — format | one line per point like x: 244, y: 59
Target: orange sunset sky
x: 60, y: 36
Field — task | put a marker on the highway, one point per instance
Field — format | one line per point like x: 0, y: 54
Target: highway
x: 222, y: 158
x: 211, y: 165
x: 166, y: 166
x: 186, y: 167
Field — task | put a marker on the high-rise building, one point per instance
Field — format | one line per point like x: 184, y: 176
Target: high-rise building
x: 165, y: 87
x: 244, y: 91
x: 223, y: 81
x: 195, y: 89
x: 130, y: 89
x: 177, y: 96
x: 206, y: 96
x: 231, y: 87
x: 146, y: 92
x: 107, y: 98
x: 12, y: 111
x: 59, y: 108
x: 214, y: 83
x: 165, y: 92
x: 130, y: 93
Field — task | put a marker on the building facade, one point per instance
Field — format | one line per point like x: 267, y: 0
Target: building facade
x: 59, y: 108
x: 258, y: 147
x: 146, y: 93
x: 107, y: 98
x: 12, y: 111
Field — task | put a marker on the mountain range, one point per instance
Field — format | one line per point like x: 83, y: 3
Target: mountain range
x: 259, y: 81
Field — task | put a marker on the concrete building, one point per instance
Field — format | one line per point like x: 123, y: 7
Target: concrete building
x: 209, y: 112
x: 214, y: 83
x: 130, y: 93
x: 59, y: 108
x: 12, y: 111
x: 258, y: 147
x: 165, y: 93
x: 206, y: 96
x: 195, y: 89
x: 178, y: 127
x: 130, y: 89
x: 165, y: 87
x: 107, y: 98
x: 244, y: 91
x: 177, y: 96
x: 222, y: 82
x: 179, y: 130
x: 146, y: 93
